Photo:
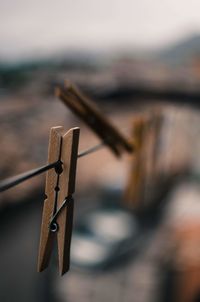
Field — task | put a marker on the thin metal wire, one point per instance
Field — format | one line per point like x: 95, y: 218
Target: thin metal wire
x: 53, y: 225
x: 91, y: 150
x: 15, y: 180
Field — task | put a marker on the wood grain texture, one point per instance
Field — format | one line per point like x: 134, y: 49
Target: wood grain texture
x: 62, y: 147
x: 69, y: 152
x: 47, y: 237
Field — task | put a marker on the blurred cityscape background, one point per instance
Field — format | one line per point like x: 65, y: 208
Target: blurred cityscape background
x: 136, y: 226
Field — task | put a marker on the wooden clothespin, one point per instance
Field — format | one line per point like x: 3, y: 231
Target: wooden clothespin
x: 92, y: 116
x: 143, y: 176
x: 133, y: 191
x: 57, y: 216
x: 152, y: 142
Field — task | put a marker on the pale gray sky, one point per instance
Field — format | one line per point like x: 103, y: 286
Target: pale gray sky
x: 44, y: 25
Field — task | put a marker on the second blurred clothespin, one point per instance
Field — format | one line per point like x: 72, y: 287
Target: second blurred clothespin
x: 143, y: 176
x: 133, y: 191
x: 58, y: 206
x: 92, y: 116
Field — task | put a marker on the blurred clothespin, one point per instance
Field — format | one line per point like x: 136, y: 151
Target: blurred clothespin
x: 92, y: 116
x: 144, y: 176
x: 57, y: 216
x: 133, y: 191
x: 153, y: 175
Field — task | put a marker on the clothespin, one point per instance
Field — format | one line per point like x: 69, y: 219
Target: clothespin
x: 57, y: 215
x: 133, y: 191
x: 143, y: 175
x: 93, y: 117
x: 153, y: 176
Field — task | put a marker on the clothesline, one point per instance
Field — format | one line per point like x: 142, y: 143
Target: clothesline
x: 10, y: 182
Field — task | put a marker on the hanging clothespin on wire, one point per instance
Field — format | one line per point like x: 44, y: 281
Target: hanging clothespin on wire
x: 93, y: 117
x: 58, y: 206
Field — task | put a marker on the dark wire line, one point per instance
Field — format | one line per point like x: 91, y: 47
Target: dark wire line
x: 53, y: 219
x: 15, y: 180
x: 91, y: 150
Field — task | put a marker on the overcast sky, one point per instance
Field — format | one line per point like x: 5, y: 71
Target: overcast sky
x: 41, y: 26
